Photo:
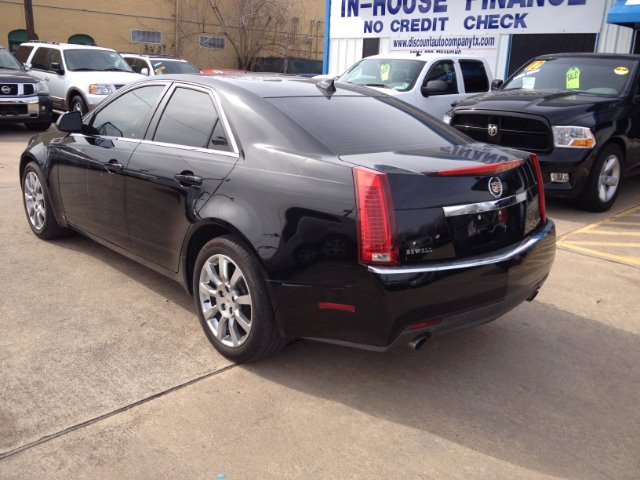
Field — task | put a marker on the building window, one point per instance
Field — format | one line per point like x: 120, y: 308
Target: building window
x: 81, y: 39
x: 146, y: 36
x: 209, y: 41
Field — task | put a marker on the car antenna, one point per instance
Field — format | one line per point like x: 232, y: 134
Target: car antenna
x: 328, y: 86
x: 418, y: 54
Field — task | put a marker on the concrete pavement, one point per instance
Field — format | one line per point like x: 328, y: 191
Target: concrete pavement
x: 105, y: 373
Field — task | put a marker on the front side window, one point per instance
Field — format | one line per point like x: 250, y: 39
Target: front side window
x: 443, y: 71
x: 189, y: 119
x: 94, y: 60
x: 128, y: 115
x: 474, y: 76
x: 39, y: 60
x: 390, y: 73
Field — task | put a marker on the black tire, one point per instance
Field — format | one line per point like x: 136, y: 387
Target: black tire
x: 263, y: 338
x: 591, y: 197
x: 38, y: 127
x: 49, y: 228
x: 78, y: 103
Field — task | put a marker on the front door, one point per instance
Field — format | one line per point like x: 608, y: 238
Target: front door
x: 92, y: 164
x: 172, y: 176
x: 438, y: 105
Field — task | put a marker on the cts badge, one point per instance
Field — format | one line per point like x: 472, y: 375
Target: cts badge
x: 6, y: 90
x: 495, y: 187
x: 492, y: 129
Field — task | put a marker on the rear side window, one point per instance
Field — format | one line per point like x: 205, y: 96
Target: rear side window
x: 445, y: 71
x: 39, y: 60
x: 189, y: 119
x: 22, y: 54
x: 474, y: 76
x: 128, y: 115
x: 389, y: 126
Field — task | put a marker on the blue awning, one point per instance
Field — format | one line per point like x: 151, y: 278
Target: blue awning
x: 625, y: 13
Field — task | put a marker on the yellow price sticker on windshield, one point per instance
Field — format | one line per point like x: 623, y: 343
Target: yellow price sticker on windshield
x: 384, y: 71
x: 621, y: 70
x: 534, y: 65
x: 573, y: 78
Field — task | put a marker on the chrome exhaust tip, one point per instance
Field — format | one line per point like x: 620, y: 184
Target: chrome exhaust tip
x: 418, y: 342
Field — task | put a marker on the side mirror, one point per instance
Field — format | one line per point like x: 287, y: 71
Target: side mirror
x: 70, y: 122
x: 144, y: 71
x: 496, y: 84
x: 435, y: 87
x: 55, y: 66
x: 27, y: 66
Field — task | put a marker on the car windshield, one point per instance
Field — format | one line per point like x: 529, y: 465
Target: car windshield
x: 95, y: 60
x: 165, y: 67
x: 598, y: 76
x: 390, y: 73
x: 8, y: 62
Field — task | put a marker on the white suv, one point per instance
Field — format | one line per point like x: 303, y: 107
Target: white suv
x: 432, y: 82
x: 79, y: 76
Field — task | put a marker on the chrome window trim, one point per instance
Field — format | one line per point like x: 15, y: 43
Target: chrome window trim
x: 498, y: 256
x: 235, y: 153
x: 471, y: 208
x: 191, y: 149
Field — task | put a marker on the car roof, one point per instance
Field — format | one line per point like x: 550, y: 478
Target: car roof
x: 423, y: 56
x: 620, y: 56
x: 66, y: 46
x: 146, y: 55
x: 272, y: 85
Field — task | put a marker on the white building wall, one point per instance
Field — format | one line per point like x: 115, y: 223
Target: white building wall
x: 612, y: 38
x: 344, y: 52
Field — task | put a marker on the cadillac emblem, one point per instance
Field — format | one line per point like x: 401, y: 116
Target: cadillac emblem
x: 5, y: 89
x: 495, y: 187
x: 492, y: 129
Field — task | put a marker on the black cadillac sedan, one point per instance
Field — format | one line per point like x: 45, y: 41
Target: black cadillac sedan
x: 290, y: 208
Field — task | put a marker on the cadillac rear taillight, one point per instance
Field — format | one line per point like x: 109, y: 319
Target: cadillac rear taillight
x: 543, y: 206
x: 375, y: 218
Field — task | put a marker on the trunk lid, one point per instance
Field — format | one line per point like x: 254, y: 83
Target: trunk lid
x: 442, y: 214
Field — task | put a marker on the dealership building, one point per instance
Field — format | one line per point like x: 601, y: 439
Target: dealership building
x: 506, y: 32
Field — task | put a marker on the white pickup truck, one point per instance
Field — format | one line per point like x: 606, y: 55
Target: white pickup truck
x: 432, y: 82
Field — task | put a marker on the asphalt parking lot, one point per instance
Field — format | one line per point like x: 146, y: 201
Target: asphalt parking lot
x: 105, y: 373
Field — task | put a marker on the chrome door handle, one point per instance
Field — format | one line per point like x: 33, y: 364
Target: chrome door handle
x: 113, y: 166
x: 188, y: 179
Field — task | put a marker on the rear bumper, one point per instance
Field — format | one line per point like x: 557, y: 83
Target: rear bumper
x: 390, y: 301
x: 34, y: 109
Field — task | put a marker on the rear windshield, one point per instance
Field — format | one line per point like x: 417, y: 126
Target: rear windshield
x: 597, y: 76
x: 352, y: 125
x: 165, y: 67
x: 95, y: 61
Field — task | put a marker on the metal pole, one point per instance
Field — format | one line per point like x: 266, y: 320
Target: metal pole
x: 28, y: 18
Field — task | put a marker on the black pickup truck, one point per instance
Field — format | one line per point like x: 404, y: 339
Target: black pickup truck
x: 23, y: 98
x: 579, y: 113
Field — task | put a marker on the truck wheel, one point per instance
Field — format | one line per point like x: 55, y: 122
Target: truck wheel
x: 232, y: 301
x: 78, y: 104
x: 603, y: 185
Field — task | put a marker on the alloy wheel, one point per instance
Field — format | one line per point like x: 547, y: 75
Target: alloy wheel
x: 34, y: 200
x: 609, y: 178
x: 225, y: 300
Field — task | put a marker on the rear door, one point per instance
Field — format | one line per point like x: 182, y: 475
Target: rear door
x: 91, y: 165
x: 175, y: 171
